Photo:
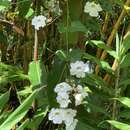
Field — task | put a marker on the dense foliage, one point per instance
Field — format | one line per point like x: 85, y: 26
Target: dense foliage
x: 64, y: 64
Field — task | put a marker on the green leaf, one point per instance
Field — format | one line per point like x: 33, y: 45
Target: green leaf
x: 102, y: 45
x: 37, y: 119
x: 23, y: 125
x: 125, y: 61
x: 10, y: 73
x: 61, y: 54
x: 75, y: 54
x: 124, y: 100
x: 54, y: 77
x: 5, y: 3
x: 125, y: 113
x: 23, y: 7
x: 103, y: 64
x: 29, y: 13
x: 119, y: 125
x: 125, y: 82
x: 125, y: 44
x: 35, y: 73
x: 84, y: 126
x: 76, y: 26
x: 19, y: 113
x: 2, y: 7
x: 4, y: 99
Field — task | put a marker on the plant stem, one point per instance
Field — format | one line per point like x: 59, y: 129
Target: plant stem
x: 36, y: 47
x: 35, y: 59
x: 115, y: 108
x: 67, y: 26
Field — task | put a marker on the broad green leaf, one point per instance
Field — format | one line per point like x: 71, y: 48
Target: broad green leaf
x: 125, y: 61
x: 44, y: 74
x: 106, y: 6
x: 23, y: 7
x: 76, y: 26
x: 124, y: 100
x: 102, y: 45
x: 75, y: 54
x: 35, y: 73
x: 97, y: 108
x: 54, y: 77
x: 94, y: 80
x: 84, y: 126
x: 119, y: 125
x: 103, y: 64
x: 125, y: 113
x: 4, y: 99
x: 19, y: 113
x: 125, y: 82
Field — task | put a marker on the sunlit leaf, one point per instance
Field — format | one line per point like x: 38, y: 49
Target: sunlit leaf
x: 119, y: 125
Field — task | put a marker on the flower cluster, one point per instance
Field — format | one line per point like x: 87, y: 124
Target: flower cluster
x: 79, y: 69
x: 59, y: 116
x: 80, y: 95
x: 39, y: 21
x: 64, y: 114
x: 66, y: 94
x: 63, y: 89
x: 92, y: 8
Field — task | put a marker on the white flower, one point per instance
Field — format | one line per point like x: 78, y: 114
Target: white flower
x: 56, y: 115
x: 62, y: 88
x: 72, y: 126
x: 39, y: 21
x: 69, y: 115
x: 88, y: 67
x: 81, y: 90
x: 78, y: 69
x: 80, y: 95
x: 78, y: 99
x: 63, y: 100
x: 92, y: 8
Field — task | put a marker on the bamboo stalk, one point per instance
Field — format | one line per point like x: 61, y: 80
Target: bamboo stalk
x: 112, y: 35
x: 104, y: 28
x: 114, y: 66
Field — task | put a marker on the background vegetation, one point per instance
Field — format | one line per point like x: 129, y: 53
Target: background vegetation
x: 28, y: 78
